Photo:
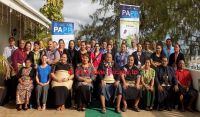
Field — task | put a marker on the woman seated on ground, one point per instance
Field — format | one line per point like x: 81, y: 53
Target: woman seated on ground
x: 131, y: 84
x: 26, y: 76
x: 110, y: 87
x: 62, y: 80
x: 42, y: 80
x: 147, y: 79
x: 85, y: 76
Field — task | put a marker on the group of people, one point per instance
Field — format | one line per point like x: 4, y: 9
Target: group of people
x: 148, y: 78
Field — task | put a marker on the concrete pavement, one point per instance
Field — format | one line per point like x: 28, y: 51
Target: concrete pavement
x: 10, y: 111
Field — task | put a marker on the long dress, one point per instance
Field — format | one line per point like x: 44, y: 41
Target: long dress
x: 84, y: 89
x: 23, y: 92
x: 148, y: 96
x: 61, y: 89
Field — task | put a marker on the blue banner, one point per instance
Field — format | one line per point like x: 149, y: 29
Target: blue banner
x: 62, y: 28
x: 129, y: 11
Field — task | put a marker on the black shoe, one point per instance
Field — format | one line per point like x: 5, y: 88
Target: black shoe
x: 19, y: 109
x: 136, y: 109
x: 147, y: 109
x: 182, y: 109
x: 160, y: 108
x: 169, y: 109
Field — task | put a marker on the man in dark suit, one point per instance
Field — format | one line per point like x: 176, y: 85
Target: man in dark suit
x: 166, y: 85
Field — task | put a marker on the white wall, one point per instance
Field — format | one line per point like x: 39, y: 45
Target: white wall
x: 4, y: 35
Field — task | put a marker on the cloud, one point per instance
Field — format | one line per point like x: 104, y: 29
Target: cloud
x: 76, y: 11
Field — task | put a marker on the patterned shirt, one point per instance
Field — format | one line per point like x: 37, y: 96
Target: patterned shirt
x: 148, y: 76
x: 121, y: 59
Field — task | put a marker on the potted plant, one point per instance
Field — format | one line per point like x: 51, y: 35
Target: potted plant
x: 5, y: 70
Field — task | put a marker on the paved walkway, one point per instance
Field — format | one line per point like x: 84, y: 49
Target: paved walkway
x: 10, y: 111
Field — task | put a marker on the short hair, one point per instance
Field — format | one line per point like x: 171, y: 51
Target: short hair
x: 61, y: 40
x: 37, y: 42
x: 109, y: 45
x: 131, y: 56
x: 86, y: 55
x: 123, y: 44
x: 147, y: 59
x: 83, y: 42
x: 97, y: 43
x: 63, y: 54
x: 139, y: 44
x: 28, y: 59
x: 11, y: 38
x: 28, y: 42
x: 146, y: 41
x: 163, y: 57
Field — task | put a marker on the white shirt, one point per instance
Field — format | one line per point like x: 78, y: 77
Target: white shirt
x: 131, y: 50
x: 7, y: 52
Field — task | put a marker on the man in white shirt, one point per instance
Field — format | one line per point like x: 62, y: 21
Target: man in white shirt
x: 133, y: 47
x: 9, y: 49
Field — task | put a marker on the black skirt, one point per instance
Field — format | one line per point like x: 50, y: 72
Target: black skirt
x: 84, y: 94
x: 132, y: 93
x: 60, y: 95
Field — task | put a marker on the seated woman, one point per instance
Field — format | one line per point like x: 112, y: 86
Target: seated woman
x: 131, y: 84
x: 25, y: 86
x: 42, y: 80
x: 110, y: 87
x: 147, y: 79
x: 62, y: 80
x: 85, y: 76
x: 186, y: 91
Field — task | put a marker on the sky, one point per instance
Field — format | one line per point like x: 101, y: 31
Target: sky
x: 76, y: 11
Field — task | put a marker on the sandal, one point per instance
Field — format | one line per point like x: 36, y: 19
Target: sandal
x: 62, y: 108
x: 58, y: 109
x: 39, y: 108
x: 19, y: 108
x: 26, y: 108
x: 136, y: 109
x: 124, y: 109
x: 44, y: 107
x: 103, y: 110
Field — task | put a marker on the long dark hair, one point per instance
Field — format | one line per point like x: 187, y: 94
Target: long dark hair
x: 70, y: 42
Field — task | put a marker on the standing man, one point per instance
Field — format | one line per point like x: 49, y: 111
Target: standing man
x: 9, y: 49
x: 7, y: 54
x: 78, y: 45
x: 147, y: 51
x: 169, y: 49
x: 122, y: 56
x: 103, y: 47
x: 52, y: 54
x: 18, y: 58
x: 133, y: 47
